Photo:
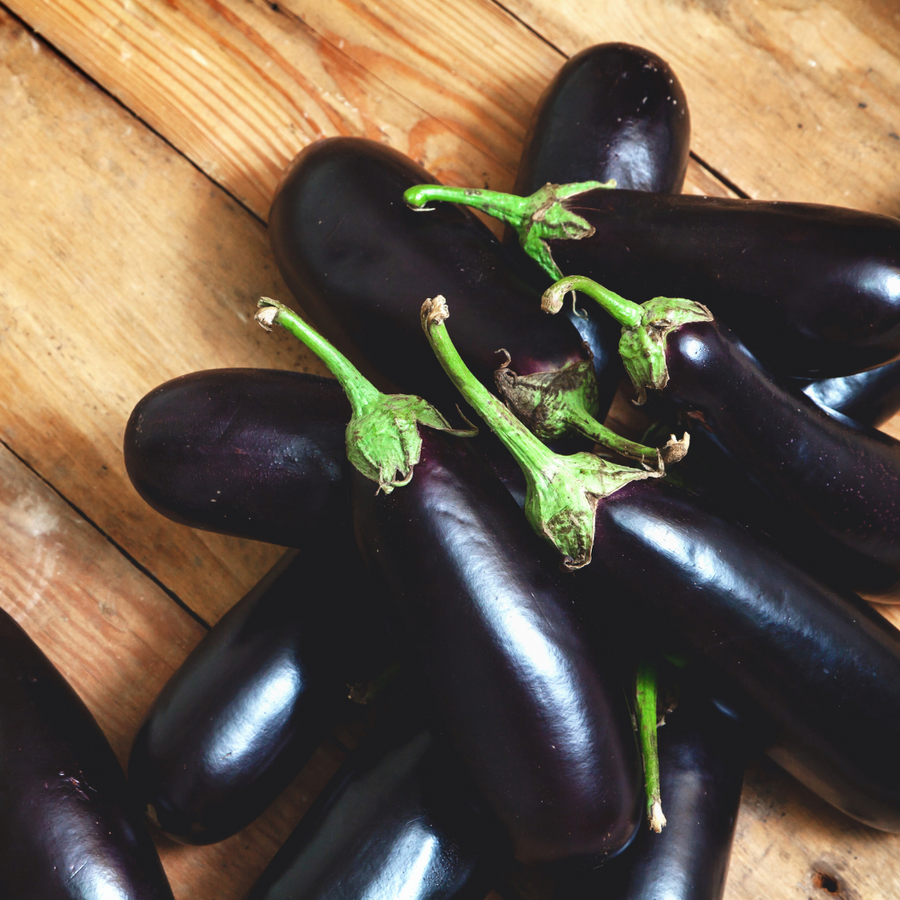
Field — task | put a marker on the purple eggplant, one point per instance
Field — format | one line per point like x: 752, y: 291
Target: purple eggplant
x: 702, y: 756
x: 613, y: 111
x: 869, y: 398
x: 359, y: 263
x: 813, y: 290
x: 254, y: 453
x: 819, y: 664
x: 398, y: 819
x: 250, y: 704
x: 68, y: 828
x: 513, y: 681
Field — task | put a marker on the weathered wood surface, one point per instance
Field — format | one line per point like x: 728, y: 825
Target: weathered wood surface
x: 125, y: 260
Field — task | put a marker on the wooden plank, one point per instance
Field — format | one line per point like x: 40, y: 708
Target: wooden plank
x: 121, y: 266
x: 240, y: 87
x: 117, y: 638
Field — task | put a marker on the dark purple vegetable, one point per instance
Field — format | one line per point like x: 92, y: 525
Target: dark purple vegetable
x: 702, y: 754
x: 68, y: 829
x: 521, y: 694
x: 254, y: 453
x: 870, y: 398
x: 396, y: 821
x: 820, y: 664
x: 613, y: 111
x: 813, y: 290
x: 359, y: 263
x: 250, y: 704
x: 513, y: 683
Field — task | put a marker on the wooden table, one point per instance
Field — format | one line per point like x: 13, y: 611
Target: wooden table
x: 140, y: 144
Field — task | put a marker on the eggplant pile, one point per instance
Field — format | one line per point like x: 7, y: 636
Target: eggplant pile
x: 511, y: 735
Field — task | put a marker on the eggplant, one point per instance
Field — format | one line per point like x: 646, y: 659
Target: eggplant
x: 397, y: 820
x: 68, y: 828
x: 254, y: 453
x: 359, y: 263
x: 253, y: 700
x: 702, y: 756
x: 869, y: 398
x: 514, y: 683
x: 819, y: 664
x: 613, y: 111
x: 813, y: 290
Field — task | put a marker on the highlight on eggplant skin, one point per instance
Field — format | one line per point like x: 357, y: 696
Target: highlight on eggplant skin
x: 613, y: 111
x: 255, y: 453
x: 870, y: 398
x: 481, y: 610
x: 397, y: 820
x: 68, y: 827
x: 247, y: 708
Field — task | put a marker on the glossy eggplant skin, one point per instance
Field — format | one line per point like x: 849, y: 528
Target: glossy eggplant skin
x: 255, y: 453
x: 68, y: 829
x: 827, y: 490
x: 613, y: 111
x: 360, y: 264
x: 395, y: 821
x: 869, y: 398
x: 253, y: 700
x: 813, y: 290
x: 820, y: 665
x: 702, y: 756
x: 484, y: 614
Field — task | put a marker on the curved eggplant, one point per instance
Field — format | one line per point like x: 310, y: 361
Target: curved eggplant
x: 253, y: 700
x: 521, y: 694
x: 613, y: 111
x: 820, y: 663
x: 360, y: 262
x: 255, y: 453
x: 870, y: 398
x: 68, y: 829
x: 828, y: 490
x: 702, y: 756
x: 395, y: 821
x: 813, y: 290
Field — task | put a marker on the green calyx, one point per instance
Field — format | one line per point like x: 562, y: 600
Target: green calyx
x: 383, y: 439
x: 542, y: 216
x: 562, y: 492
x: 645, y: 327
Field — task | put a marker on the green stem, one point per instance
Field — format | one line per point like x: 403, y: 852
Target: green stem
x: 359, y: 390
x: 648, y: 722
x: 383, y: 440
x: 625, y: 312
x: 542, y: 216
x: 562, y: 491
